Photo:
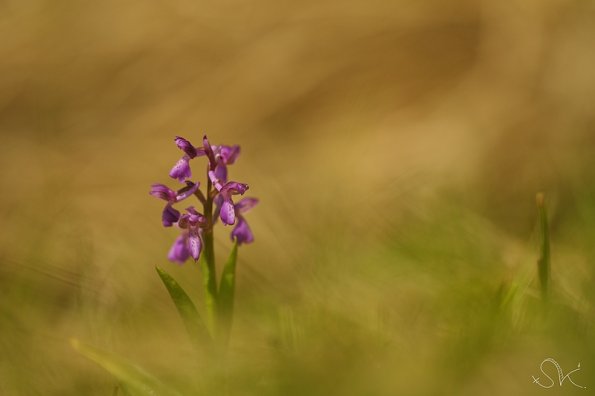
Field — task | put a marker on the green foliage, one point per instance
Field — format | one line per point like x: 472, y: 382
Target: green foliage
x: 135, y: 380
x: 188, y: 312
x: 543, y: 264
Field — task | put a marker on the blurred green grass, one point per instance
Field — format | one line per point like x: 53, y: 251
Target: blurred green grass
x: 396, y: 149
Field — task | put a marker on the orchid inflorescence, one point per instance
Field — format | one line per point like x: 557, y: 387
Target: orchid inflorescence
x: 195, y: 240
x: 219, y: 192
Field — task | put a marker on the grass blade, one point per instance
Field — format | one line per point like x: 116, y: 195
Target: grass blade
x: 135, y: 380
x: 544, y: 263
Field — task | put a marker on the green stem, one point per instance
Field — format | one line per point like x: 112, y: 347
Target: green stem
x: 227, y: 295
x: 208, y: 264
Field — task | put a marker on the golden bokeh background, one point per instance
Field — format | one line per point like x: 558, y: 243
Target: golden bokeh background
x: 396, y: 148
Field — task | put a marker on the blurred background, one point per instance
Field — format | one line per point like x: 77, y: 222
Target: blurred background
x: 396, y: 148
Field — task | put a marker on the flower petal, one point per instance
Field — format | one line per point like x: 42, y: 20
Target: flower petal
x: 186, y: 146
x: 169, y: 216
x: 215, y: 180
x: 228, y: 215
x: 181, y: 169
x: 187, y: 191
x: 218, y: 201
x: 195, y: 218
x: 179, y: 252
x: 241, y: 232
x: 209, y: 152
x: 246, y: 204
x: 183, y: 221
x: 194, y: 243
x: 228, y: 153
x: 234, y: 188
x: 221, y: 172
x: 163, y: 192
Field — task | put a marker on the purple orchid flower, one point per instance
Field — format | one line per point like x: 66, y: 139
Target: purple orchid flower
x: 189, y: 243
x: 192, y: 224
x: 181, y: 170
x: 219, y: 157
x: 242, y: 232
x: 224, y: 202
x: 224, y: 155
x: 171, y: 215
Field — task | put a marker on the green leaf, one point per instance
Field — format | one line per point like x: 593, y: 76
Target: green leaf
x: 227, y: 291
x: 135, y: 380
x: 192, y: 321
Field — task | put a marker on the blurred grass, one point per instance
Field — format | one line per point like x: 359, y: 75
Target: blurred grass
x: 396, y: 148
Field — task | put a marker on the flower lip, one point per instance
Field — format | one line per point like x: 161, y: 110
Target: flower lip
x: 179, y: 252
x: 181, y: 170
x: 227, y: 212
x: 242, y: 232
x: 194, y: 243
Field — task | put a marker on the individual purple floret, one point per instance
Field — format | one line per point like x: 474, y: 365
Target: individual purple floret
x: 171, y: 215
x: 227, y: 209
x: 219, y: 157
x: 189, y: 243
x: 224, y: 155
x: 241, y: 232
x: 181, y: 170
x: 193, y: 222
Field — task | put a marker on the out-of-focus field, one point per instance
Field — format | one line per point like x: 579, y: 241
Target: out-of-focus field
x: 396, y: 148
